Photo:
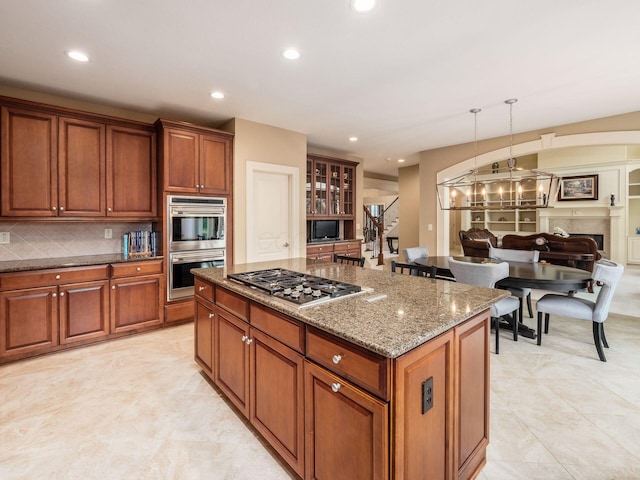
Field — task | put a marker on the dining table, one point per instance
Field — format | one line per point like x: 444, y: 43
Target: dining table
x: 538, y: 275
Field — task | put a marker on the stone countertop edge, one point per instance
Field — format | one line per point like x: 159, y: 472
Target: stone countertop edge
x: 395, y: 313
x: 9, y: 266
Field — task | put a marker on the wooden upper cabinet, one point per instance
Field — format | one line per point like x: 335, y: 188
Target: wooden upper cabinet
x: 181, y: 152
x: 195, y: 160
x: 131, y: 172
x: 330, y: 190
x: 81, y: 168
x: 29, y: 163
x: 215, y: 164
x: 59, y: 163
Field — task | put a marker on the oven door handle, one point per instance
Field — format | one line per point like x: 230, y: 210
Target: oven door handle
x: 197, y: 258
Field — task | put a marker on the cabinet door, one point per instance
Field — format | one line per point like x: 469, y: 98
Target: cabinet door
x: 231, y: 358
x: 277, y: 397
x: 131, y: 172
x: 135, y: 302
x: 320, y: 188
x: 84, y: 311
x: 28, y: 320
x: 335, y: 189
x: 346, y: 430
x: 181, y: 154
x: 81, y: 168
x: 204, y: 319
x: 472, y: 395
x: 215, y: 164
x: 29, y: 163
x: 348, y: 191
x: 309, y: 188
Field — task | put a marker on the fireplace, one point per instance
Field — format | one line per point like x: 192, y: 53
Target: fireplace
x: 598, y: 237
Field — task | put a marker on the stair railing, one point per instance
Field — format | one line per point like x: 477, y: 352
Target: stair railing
x: 373, y: 231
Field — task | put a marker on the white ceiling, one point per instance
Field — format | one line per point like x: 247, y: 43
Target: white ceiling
x: 402, y: 78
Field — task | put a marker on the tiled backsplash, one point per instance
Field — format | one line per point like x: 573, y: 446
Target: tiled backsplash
x: 29, y: 240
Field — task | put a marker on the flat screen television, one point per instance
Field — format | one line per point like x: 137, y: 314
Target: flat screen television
x: 325, y: 230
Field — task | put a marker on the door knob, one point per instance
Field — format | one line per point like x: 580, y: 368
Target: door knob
x: 286, y: 244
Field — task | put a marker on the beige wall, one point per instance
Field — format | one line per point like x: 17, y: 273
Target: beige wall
x: 256, y: 142
x: 409, y: 206
x: 433, y: 161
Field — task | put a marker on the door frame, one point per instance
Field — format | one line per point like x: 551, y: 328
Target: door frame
x: 293, y: 174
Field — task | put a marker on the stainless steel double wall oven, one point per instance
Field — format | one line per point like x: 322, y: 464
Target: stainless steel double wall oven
x: 196, y: 237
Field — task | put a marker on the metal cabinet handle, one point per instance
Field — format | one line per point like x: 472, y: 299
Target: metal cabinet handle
x: 61, y: 208
x: 57, y: 277
x: 244, y: 338
x: 62, y: 294
x: 335, y: 387
x: 109, y: 209
x: 54, y: 295
x: 113, y: 287
x: 138, y: 269
x: 54, y: 208
x: 336, y: 359
x: 201, y: 288
x: 211, y: 315
x: 249, y: 340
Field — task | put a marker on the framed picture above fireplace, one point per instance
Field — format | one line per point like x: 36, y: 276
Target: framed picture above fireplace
x: 583, y: 187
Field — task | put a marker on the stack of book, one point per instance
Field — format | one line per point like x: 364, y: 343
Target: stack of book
x: 139, y: 243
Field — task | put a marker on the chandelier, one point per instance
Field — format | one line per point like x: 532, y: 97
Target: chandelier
x: 500, y: 188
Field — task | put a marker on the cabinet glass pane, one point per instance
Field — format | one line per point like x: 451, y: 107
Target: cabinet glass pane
x: 321, y: 188
x: 334, y: 190
x: 308, y: 193
x: 347, y: 178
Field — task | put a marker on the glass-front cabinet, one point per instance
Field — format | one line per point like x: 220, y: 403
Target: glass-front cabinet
x: 330, y: 188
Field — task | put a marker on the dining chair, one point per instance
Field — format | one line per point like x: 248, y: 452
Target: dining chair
x: 413, y: 269
x: 524, y: 256
x: 607, y: 273
x: 413, y: 253
x: 486, y: 275
x: 357, y: 261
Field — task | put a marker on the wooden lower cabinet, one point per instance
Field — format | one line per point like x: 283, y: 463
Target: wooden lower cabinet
x: 28, y: 321
x: 333, y: 410
x: 346, y: 429
x: 204, y: 318
x: 84, y: 311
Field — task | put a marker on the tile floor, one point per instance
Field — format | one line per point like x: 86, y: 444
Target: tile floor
x: 138, y: 408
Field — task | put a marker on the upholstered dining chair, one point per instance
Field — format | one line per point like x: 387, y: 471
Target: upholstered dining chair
x: 607, y: 273
x: 357, y: 261
x: 413, y: 253
x: 413, y: 269
x: 486, y: 275
x: 524, y: 256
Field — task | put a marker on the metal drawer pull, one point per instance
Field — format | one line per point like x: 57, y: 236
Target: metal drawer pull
x: 201, y: 288
x: 57, y: 277
x: 335, y: 387
x: 138, y: 269
x: 336, y: 359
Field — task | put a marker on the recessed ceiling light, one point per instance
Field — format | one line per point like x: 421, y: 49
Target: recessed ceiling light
x: 77, y: 55
x: 217, y: 95
x: 353, y: 139
x: 362, y: 6
x: 291, y: 54
x: 401, y: 160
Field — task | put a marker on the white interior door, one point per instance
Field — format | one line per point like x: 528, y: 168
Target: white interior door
x: 272, y: 211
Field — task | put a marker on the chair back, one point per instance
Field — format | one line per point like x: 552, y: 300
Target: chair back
x: 357, y: 261
x: 480, y: 274
x: 609, y: 274
x: 413, y: 269
x: 511, y: 255
x: 413, y: 253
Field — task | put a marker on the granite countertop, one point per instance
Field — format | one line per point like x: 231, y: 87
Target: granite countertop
x: 62, y: 262
x: 411, y: 310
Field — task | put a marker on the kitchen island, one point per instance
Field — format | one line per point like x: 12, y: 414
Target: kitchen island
x: 392, y: 382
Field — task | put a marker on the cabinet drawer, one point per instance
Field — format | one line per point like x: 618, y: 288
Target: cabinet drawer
x: 341, y: 248
x: 232, y: 302
x: 285, y: 330
x: 47, y: 278
x: 362, y: 367
x: 319, y: 249
x: 204, y: 289
x: 131, y: 269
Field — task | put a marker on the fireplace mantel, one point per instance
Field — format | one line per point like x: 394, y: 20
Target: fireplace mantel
x: 611, y: 223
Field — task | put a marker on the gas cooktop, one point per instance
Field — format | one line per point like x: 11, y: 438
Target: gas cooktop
x: 296, y: 287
